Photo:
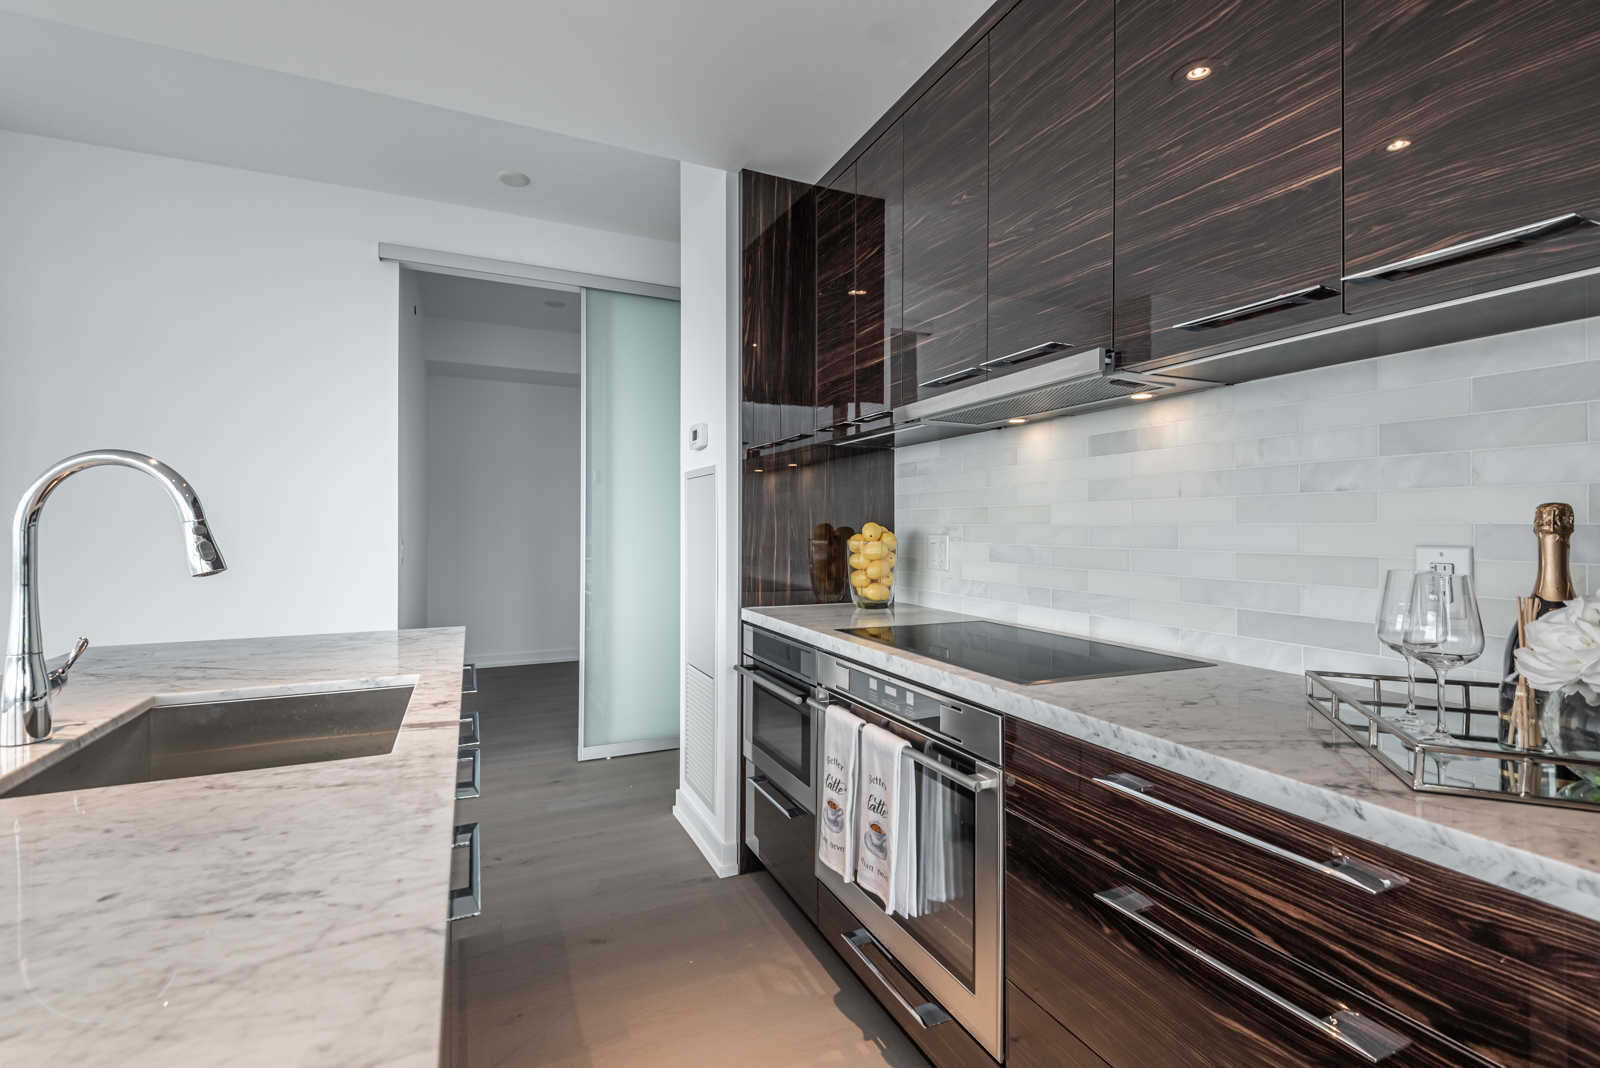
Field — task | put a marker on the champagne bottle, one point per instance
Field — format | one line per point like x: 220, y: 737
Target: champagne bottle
x: 1552, y: 588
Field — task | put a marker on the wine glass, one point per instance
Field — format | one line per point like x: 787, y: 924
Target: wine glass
x: 1445, y: 630
x: 1394, y: 616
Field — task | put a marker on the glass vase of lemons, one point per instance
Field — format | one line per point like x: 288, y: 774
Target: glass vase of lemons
x: 872, y: 557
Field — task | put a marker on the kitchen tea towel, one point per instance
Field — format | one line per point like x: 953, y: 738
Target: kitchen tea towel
x: 841, y: 757
x: 879, y: 782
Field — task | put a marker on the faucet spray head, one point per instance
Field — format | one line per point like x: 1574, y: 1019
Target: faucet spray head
x: 204, y: 556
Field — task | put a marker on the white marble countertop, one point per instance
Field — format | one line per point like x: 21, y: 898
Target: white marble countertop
x: 1249, y: 731
x: 286, y: 916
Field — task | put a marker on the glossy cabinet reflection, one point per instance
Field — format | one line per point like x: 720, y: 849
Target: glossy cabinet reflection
x: 1051, y: 69
x: 945, y: 316
x: 836, y: 300
x: 1227, y: 179
x: 880, y: 210
x: 1467, y: 119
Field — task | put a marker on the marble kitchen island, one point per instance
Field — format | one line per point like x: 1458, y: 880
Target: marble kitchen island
x: 283, y: 916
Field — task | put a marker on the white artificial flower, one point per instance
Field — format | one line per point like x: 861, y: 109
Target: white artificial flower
x: 1563, y: 648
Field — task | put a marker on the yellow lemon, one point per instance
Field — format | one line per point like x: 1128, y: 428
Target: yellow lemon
x: 872, y: 532
x: 877, y: 592
x: 859, y: 579
x: 875, y: 569
x: 857, y: 561
x: 889, y: 540
x: 874, y: 550
x: 856, y: 543
x: 889, y: 559
x: 887, y: 578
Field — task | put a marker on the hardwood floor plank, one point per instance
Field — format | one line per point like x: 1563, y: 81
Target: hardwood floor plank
x: 605, y: 940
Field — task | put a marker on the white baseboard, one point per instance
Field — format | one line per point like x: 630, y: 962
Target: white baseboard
x: 543, y: 656
x: 616, y: 749
x: 722, y: 856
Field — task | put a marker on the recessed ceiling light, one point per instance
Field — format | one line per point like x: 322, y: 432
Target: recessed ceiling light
x: 1141, y: 396
x: 1397, y: 144
x: 515, y: 179
x: 1197, y: 72
x: 758, y: 470
x: 555, y: 304
x: 858, y: 292
x: 794, y: 465
x: 1014, y: 422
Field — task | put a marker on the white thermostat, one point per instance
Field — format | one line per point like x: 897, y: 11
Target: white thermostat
x: 697, y: 436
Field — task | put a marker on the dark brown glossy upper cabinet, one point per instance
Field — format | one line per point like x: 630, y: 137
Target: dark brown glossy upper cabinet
x: 777, y: 309
x: 1228, y: 220
x: 880, y: 209
x: 947, y: 227
x: 1468, y: 121
x: 836, y: 284
x: 1051, y: 159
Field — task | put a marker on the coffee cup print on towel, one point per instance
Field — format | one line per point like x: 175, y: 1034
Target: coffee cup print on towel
x: 833, y: 816
x: 877, y: 841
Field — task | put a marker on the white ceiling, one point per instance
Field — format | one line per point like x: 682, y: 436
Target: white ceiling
x: 781, y: 87
x: 475, y: 300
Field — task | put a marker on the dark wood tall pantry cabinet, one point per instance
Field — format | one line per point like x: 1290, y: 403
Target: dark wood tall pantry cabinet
x: 1467, y: 122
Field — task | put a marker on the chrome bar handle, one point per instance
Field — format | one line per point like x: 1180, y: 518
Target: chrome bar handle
x: 471, y: 730
x: 927, y: 1014
x: 471, y: 787
x: 1368, y: 1038
x: 1493, y: 243
x: 1258, y: 307
x: 975, y: 783
x: 953, y: 377
x: 58, y: 677
x: 468, y: 900
x: 1024, y: 355
x: 771, y: 687
x: 789, y: 809
x: 473, y: 668
x: 1348, y: 870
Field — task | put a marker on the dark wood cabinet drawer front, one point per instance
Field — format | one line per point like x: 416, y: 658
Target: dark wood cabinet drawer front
x: 947, y: 1044
x: 1439, y: 948
x: 947, y: 224
x: 1500, y: 102
x: 1051, y: 73
x: 1227, y: 187
x: 1143, y: 983
x: 1035, y: 1039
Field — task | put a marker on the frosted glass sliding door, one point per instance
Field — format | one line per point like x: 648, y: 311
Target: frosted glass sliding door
x: 628, y: 674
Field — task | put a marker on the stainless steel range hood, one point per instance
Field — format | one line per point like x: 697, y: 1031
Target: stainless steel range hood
x: 1082, y: 382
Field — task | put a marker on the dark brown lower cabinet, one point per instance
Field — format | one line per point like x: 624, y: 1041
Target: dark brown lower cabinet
x: 788, y: 848
x: 946, y: 1045
x: 1144, y: 981
x: 1035, y: 1040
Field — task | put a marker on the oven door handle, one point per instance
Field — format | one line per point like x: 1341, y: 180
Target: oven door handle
x: 771, y: 687
x: 975, y: 783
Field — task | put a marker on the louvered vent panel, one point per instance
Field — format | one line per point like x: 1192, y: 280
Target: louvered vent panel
x: 700, y: 733
x: 1049, y: 399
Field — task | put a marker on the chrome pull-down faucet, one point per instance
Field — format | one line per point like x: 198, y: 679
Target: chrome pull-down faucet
x: 27, y: 686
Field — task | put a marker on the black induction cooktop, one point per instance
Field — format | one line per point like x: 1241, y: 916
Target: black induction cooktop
x: 1019, y: 654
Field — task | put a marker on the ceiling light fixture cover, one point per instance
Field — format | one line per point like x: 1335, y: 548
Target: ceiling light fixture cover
x: 1197, y: 72
x: 515, y: 179
x: 1397, y: 144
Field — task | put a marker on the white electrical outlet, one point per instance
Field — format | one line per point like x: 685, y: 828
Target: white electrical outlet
x: 938, y: 552
x: 1451, y: 559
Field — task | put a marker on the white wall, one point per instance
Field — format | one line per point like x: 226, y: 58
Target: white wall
x: 709, y: 235
x: 240, y: 327
x: 413, y: 458
x: 1253, y: 523
x: 503, y: 523
x: 499, y: 345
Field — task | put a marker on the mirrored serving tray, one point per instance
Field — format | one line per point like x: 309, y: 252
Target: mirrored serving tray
x: 1473, y: 763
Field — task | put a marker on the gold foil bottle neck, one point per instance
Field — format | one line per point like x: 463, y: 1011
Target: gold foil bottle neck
x: 1553, y: 523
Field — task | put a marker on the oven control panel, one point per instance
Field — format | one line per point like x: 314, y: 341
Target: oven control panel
x: 977, y: 730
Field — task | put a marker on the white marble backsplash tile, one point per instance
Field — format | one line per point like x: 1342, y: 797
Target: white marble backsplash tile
x: 1253, y: 523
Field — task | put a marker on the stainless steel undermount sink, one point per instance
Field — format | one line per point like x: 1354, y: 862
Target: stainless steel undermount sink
x: 178, y: 741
